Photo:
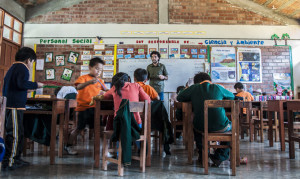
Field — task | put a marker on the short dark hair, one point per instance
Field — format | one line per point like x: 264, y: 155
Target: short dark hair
x: 200, y: 77
x: 94, y: 61
x: 155, y: 53
x: 140, y: 74
x: 179, y: 88
x: 238, y: 85
x: 25, y: 53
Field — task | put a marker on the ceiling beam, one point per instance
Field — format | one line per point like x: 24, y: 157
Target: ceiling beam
x: 268, y: 2
x: 14, y: 9
x: 50, y: 6
x: 287, y: 4
x: 263, y: 11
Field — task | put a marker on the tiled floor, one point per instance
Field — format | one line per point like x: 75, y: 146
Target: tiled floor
x: 263, y: 162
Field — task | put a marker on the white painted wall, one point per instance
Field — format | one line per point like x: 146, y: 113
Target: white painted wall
x: 33, y: 33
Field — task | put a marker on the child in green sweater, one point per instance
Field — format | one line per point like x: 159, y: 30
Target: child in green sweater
x: 203, y: 89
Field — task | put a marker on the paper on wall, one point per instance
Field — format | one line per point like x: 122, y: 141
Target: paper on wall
x: 39, y: 64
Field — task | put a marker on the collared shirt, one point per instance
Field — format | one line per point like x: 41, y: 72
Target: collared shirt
x: 154, y: 72
x: 197, y: 94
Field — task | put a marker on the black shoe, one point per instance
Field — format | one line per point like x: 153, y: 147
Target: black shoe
x: 23, y: 162
x: 13, y: 167
x: 216, y: 162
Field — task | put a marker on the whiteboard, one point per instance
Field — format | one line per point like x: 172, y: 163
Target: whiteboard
x: 179, y: 70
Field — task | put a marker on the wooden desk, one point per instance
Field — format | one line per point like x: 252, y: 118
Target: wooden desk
x: 58, y: 107
x: 188, y: 117
x: 276, y: 106
x: 107, y: 109
x: 292, y: 106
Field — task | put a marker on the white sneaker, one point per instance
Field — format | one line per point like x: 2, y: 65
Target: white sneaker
x: 70, y: 150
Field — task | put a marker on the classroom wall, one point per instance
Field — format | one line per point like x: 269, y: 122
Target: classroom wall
x: 103, y: 11
x: 147, y: 12
x: 213, y: 12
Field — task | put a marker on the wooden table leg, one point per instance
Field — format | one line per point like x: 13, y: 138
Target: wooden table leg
x: 270, y: 131
x: 66, y: 123
x: 281, y: 130
x: 237, y: 135
x: 53, y: 138
x: 97, y: 135
x: 148, y: 157
x: 61, y: 135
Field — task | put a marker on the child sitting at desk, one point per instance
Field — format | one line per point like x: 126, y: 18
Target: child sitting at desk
x: 15, y: 89
x: 241, y: 93
x: 88, y: 86
x: 203, y: 90
x: 140, y: 77
x: 122, y: 89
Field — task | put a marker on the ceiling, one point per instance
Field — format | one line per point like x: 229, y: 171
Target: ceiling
x: 288, y: 8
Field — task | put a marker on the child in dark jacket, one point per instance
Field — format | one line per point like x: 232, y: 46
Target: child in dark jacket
x: 15, y: 89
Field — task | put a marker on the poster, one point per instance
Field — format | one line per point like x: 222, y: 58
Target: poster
x: 249, y: 65
x: 39, y: 64
x: 223, y: 65
x: 283, y: 80
x: 50, y: 74
x: 73, y: 57
x: 107, y: 74
x: 59, y: 60
x: 48, y: 57
x: 67, y: 74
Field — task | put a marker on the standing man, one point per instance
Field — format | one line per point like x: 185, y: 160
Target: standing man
x: 157, y: 74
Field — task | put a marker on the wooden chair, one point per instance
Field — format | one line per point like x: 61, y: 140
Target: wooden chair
x: 227, y: 136
x: 261, y: 123
x: 142, y: 107
x: 174, y: 121
x: 2, y: 117
x: 292, y: 106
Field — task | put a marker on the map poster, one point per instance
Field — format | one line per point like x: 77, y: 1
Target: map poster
x: 249, y: 65
x: 223, y: 65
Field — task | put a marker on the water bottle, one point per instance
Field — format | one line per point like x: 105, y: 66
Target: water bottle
x: 251, y: 90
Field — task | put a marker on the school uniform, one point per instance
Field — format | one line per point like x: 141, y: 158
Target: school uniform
x: 15, y: 89
x: 218, y: 121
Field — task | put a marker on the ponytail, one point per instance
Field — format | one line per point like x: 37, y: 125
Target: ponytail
x: 119, y: 81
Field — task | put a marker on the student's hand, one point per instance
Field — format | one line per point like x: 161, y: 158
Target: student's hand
x: 93, y: 81
x: 40, y: 85
x: 162, y: 77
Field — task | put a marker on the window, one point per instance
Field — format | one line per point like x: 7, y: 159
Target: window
x: 11, y: 28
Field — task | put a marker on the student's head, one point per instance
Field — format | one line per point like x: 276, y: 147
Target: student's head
x: 96, y: 66
x: 239, y: 87
x: 155, y: 57
x: 200, y: 77
x: 118, y: 81
x: 26, y: 55
x: 140, y: 75
x: 179, y: 88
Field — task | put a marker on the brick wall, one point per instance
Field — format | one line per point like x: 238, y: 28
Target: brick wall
x: 213, y: 12
x: 104, y: 11
x: 274, y: 60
